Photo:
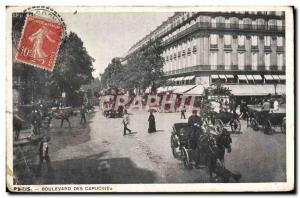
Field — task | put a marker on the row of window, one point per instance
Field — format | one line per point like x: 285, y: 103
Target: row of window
x: 213, y: 20
x: 241, y: 59
x: 231, y: 23
x: 227, y: 40
x: 240, y: 62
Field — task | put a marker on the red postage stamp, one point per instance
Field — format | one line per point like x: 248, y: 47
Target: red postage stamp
x: 40, y: 42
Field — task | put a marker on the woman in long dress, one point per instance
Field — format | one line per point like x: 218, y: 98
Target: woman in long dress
x: 151, y: 120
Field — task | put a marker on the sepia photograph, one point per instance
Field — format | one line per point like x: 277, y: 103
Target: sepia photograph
x: 149, y: 99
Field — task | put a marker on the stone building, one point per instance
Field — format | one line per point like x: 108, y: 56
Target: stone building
x: 235, y: 48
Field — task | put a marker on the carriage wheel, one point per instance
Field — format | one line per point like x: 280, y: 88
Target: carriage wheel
x: 174, y: 146
x: 219, y: 125
x: 186, y: 158
x: 283, y: 126
x: 254, y: 124
x: 268, y: 127
x: 235, y: 126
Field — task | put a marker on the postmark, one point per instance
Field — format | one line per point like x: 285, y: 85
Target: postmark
x: 41, y: 37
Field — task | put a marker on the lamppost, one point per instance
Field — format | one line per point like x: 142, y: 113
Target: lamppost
x: 275, y: 86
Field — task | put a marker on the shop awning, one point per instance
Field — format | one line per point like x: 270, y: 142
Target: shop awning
x: 229, y: 76
x: 222, y: 76
x: 197, y: 91
x: 182, y: 89
x: 179, y: 79
x: 275, y: 77
x: 256, y: 90
x: 214, y: 76
x: 257, y: 77
x: 242, y: 77
x: 247, y: 90
x: 249, y: 77
x: 189, y: 77
x: 268, y: 77
x: 280, y: 89
x: 281, y: 77
x: 161, y: 89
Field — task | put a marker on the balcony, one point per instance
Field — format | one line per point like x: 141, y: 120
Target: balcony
x: 230, y: 27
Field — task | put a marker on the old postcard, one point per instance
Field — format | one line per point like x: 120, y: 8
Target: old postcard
x: 150, y: 99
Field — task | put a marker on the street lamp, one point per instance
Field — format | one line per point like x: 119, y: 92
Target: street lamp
x: 275, y: 86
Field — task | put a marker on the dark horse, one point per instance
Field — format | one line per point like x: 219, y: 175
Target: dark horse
x: 213, y: 147
x: 63, y: 115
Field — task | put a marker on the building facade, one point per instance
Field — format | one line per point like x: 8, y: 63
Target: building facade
x: 232, y: 47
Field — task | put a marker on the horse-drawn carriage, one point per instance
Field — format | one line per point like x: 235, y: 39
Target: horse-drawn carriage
x: 112, y: 113
x: 209, y: 149
x: 267, y: 120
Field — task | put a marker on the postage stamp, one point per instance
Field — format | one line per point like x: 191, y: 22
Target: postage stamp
x: 40, y: 42
x: 150, y: 99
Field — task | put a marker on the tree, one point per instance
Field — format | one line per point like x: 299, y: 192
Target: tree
x: 74, y: 68
x: 114, y: 75
x: 145, y: 68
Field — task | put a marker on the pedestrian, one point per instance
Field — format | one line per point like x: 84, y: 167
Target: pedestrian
x: 151, y: 120
x: 82, y: 115
x: 35, y: 121
x: 126, y: 122
x: 44, y: 155
x: 17, y: 126
x: 182, y: 116
x: 195, y: 123
x: 266, y: 106
x: 276, y: 105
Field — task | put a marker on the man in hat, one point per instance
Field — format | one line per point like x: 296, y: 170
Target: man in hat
x: 195, y: 123
x: 182, y: 116
x: 82, y: 115
x: 44, y: 155
x: 126, y: 122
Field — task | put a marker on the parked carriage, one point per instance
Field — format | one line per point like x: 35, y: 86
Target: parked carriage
x: 182, y: 145
x: 267, y: 120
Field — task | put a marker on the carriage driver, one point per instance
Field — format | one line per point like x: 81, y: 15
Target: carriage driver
x: 195, y: 123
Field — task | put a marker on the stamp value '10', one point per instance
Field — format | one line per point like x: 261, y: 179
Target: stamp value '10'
x: 39, y: 43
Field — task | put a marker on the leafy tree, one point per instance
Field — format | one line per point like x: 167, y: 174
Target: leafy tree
x: 73, y: 68
x: 145, y: 68
x: 114, y: 75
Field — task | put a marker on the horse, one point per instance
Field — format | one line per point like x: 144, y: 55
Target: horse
x: 207, y: 147
x: 224, y: 141
x: 213, y: 147
x: 62, y: 114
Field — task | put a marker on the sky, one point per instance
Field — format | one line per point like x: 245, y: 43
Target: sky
x: 109, y: 35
